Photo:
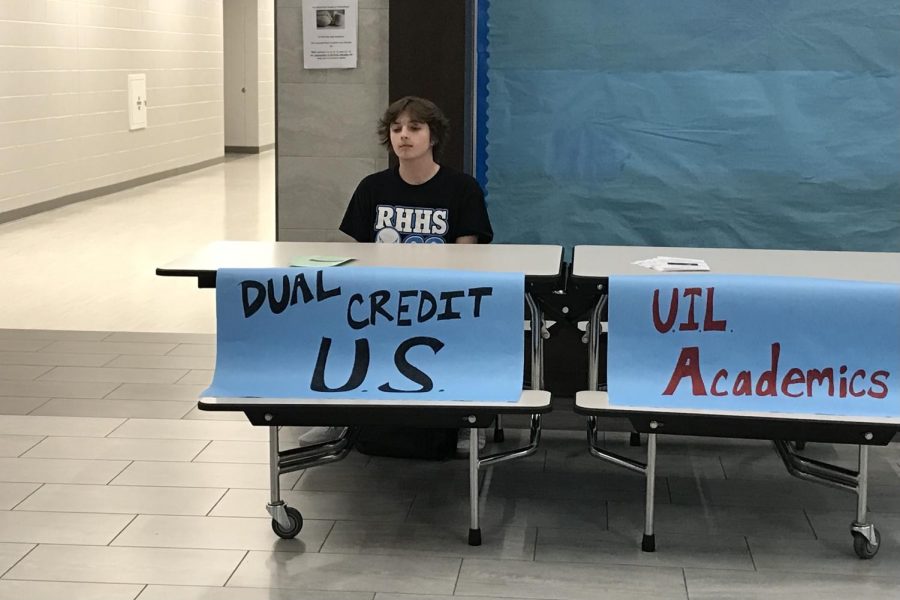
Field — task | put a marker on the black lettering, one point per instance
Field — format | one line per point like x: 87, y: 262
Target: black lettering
x: 449, y: 313
x: 426, y: 297
x: 378, y: 300
x: 478, y: 293
x: 402, y: 307
x: 279, y: 305
x: 321, y: 292
x: 357, y: 375
x: 409, y: 371
x: 301, y: 285
x: 350, y: 320
x: 250, y: 308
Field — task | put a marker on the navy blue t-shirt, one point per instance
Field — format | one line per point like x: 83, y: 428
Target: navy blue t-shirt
x: 384, y: 208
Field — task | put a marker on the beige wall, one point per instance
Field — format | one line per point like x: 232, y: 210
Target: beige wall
x: 266, y: 72
x: 64, y: 68
x: 326, y: 124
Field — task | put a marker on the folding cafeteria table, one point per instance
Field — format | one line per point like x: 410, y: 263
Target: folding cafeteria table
x: 542, y: 266
x: 592, y: 268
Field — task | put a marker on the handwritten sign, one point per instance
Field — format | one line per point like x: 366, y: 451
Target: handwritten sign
x: 370, y: 333
x: 758, y: 344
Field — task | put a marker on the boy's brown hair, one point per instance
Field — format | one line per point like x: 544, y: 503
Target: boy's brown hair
x: 418, y: 109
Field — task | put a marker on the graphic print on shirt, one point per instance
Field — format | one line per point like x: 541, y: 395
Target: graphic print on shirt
x: 409, y: 225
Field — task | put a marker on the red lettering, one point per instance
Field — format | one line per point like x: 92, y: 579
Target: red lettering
x: 743, y: 384
x: 710, y: 323
x: 665, y: 326
x: 843, y: 382
x: 688, y: 365
x: 792, y: 377
x: 691, y: 324
x: 816, y: 376
x: 713, y: 389
x: 877, y: 381
x: 766, y: 385
x: 856, y: 374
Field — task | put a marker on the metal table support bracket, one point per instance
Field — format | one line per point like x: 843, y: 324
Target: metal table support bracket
x: 648, y: 469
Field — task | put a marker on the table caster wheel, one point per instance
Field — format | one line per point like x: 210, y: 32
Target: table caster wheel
x: 291, y: 532
x: 863, y: 547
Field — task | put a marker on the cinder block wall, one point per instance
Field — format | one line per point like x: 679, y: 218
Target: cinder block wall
x: 326, y: 124
x: 64, y: 68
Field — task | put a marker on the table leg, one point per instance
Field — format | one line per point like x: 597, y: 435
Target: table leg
x: 276, y: 506
x: 648, y: 544
x: 474, y: 525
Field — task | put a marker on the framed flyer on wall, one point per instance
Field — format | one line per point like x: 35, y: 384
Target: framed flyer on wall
x: 330, y: 31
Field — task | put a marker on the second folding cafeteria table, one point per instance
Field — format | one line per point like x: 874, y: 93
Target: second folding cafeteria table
x: 592, y: 268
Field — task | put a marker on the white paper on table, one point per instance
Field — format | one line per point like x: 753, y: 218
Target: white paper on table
x: 673, y: 263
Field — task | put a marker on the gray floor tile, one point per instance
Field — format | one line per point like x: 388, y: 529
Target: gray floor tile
x: 191, y: 430
x: 758, y: 493
x: 58, y: 389
x: 123, y: 499
x: 822, y: 556
x: 112, y: 374
x: 197, y: 377
x: 235, y: 452
x: 520, y: 579
x: 16, y: 445
x: 116, y: 449
x: 165, y: 338
x: 54, y: 590
x: 614, y: 547
x: 428, y: 574
x: 60, y: 528
x: 10, y: 553
x: 449, y: 539
x: 214, y: 415
x: 319, y: 505
x: 44, y: 470
x: 361, y: 480
x: 164, y: 362
x: 56, y: 359
x: 389, y: 596
x: 835, y: 525
x: 73, y: 407
x: 51, y: 335
x: 156, y: 391
x: 19, y: 406
x: 498, y: 512
x: 789, y: 523
x: 217, y: 475
x: 73, y: 426
x: 168, y: 592
x: 220, y: 533
x: 14, y: 345
x: 13, y: 493
x: 22, y: 372
x: 83, y: 347
x: 127, y: 565
x: 618, y: 485
x: 734, y: 585
x: 193, y: 350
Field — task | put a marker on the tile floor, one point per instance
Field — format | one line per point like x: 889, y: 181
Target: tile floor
x: 113, y: 486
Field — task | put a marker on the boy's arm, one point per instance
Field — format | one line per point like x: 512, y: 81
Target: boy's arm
x: 467, y: 239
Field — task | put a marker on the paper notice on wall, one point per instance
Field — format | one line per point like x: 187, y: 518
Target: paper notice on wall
x: 330, y: 32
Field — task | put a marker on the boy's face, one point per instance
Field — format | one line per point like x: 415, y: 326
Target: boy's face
x: 410, y: 139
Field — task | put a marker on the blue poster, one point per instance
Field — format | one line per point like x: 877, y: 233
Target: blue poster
x: 758, y: 344
x: 369, y: 333
x: 714, y: 123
